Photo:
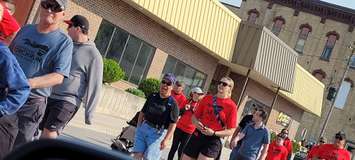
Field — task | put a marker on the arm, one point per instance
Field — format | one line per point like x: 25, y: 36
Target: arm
x: 17, y: 87
x: 140, y: 118
x: 46, y: 81
x: 94, y: 79
x: 264, y: 152
x: 197, y: 123
x: 168, y: 135
x: 225, y: 133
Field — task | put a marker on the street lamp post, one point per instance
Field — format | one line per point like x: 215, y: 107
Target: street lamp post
x: 352, y: 47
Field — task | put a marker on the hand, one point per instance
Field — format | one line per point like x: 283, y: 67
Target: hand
x: 163, y: 144
x: 207, y: 131
x: 232, y: 143
x: 187, y: 107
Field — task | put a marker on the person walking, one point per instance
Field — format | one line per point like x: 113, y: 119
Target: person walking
x: 84, y: 82
x: 312, y: 151
x: 178, y: 93
x: 214, y: 118
x: 277, y: 150
x: 44, y: 53
x: 247, y: 119
x: 287, y: 143
x: 256, y: 138
x: 335, y: 151
x: 14, y: 90
x: 156, y: 122
x: 184, y: 127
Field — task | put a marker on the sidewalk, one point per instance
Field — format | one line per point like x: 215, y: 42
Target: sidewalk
x: 105, y: 128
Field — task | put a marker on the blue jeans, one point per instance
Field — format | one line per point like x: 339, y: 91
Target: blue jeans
x: 147, y: 141
x: 234, y: 153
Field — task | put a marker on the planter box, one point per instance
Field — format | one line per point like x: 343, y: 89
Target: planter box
x: 119, y: 103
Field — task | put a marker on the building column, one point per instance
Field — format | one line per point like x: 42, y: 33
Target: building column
x: 157, y: 65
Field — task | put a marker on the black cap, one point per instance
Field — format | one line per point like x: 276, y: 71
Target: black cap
x: 79, y: 21
x: 340, y: 135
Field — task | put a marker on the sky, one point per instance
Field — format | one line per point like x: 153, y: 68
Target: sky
x: 344, y: 3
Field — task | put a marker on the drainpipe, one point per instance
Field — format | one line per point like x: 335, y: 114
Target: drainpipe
x: 244, y: 88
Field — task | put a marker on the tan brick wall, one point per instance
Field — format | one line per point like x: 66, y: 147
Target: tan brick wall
x: 157, y: 66
x: 138, y: 24
x: 310, y: 59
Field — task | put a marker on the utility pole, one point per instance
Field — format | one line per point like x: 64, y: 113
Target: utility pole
x: 352, y: 47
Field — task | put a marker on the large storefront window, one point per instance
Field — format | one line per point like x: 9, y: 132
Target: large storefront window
x: 183, y: 72
x: 133, y: 54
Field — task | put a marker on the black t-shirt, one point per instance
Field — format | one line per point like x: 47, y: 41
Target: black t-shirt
x: 245, y: 121
x: 160, y: 111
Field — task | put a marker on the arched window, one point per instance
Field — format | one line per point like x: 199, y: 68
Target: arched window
x: 319, y: 74
x: 279, y: 21
x: 253, y: 14
x: 305, y: 29
x: 329, y: 45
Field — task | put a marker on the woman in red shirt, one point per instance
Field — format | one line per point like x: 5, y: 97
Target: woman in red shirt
x: 214, y: 118
x: 184, y: 127
x: 277, y: 150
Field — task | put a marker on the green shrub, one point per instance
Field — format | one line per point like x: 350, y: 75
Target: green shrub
x: 112, y: 71
x: 296, y: 146
x: 149, y: 86
x: 136, y: 92
x: 273, y: 136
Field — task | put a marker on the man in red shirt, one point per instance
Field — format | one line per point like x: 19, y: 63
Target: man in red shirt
x: 277, y: 150
x: 322, y: 140
x: 335, y: 151
x: 8, y: 24
x: 287, y: 143
x: 178, y: 93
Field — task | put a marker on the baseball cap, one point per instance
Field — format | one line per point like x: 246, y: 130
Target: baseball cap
x: 79, y: 21
x: 197, y: 90
x: 63, y: 3
x: 340, y: 135
x: 170, y: 77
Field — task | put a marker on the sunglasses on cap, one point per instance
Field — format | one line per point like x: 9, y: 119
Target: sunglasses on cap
x: 53, y: 6
x: 224, y: 84
x: 339, y: 137
x: 168, y: 83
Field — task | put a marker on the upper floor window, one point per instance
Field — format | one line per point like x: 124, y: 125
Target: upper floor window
x: 332, y: 37
x: 305, y: 29
x: 279, y: 21
x: 352, y: 63
x: 253, y: 14
x: 343, y: 93
x: 319, y: 74
x: 132, y: 54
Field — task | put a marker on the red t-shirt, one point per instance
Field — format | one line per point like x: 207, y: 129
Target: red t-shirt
x: 312, y: 152
x: 180, y: 98
x: 185, y: 122
x: 288, y: 145
x: 330, y: 152
x: 276, y: 152
x: 228, y: 114
x: 8, y: 24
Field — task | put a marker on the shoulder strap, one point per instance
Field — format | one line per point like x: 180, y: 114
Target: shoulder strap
x: 216, y: 111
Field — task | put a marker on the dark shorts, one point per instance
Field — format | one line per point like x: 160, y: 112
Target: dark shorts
x: 8, y: 132
x: 58, y: 113
x: 29, y: 116
x: 209, y: 146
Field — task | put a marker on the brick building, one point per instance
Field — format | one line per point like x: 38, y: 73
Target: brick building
x: 320, y: 32
x: 201, y: 42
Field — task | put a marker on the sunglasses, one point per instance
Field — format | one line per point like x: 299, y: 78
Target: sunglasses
x: 224, y: 84
x: 168, y: 83
x: 321, y: 142
x: 339, y: 137
x: 200, y: 94
x: 54, y: 7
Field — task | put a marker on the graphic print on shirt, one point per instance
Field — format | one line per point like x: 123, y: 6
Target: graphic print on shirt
x: 31, y: 50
